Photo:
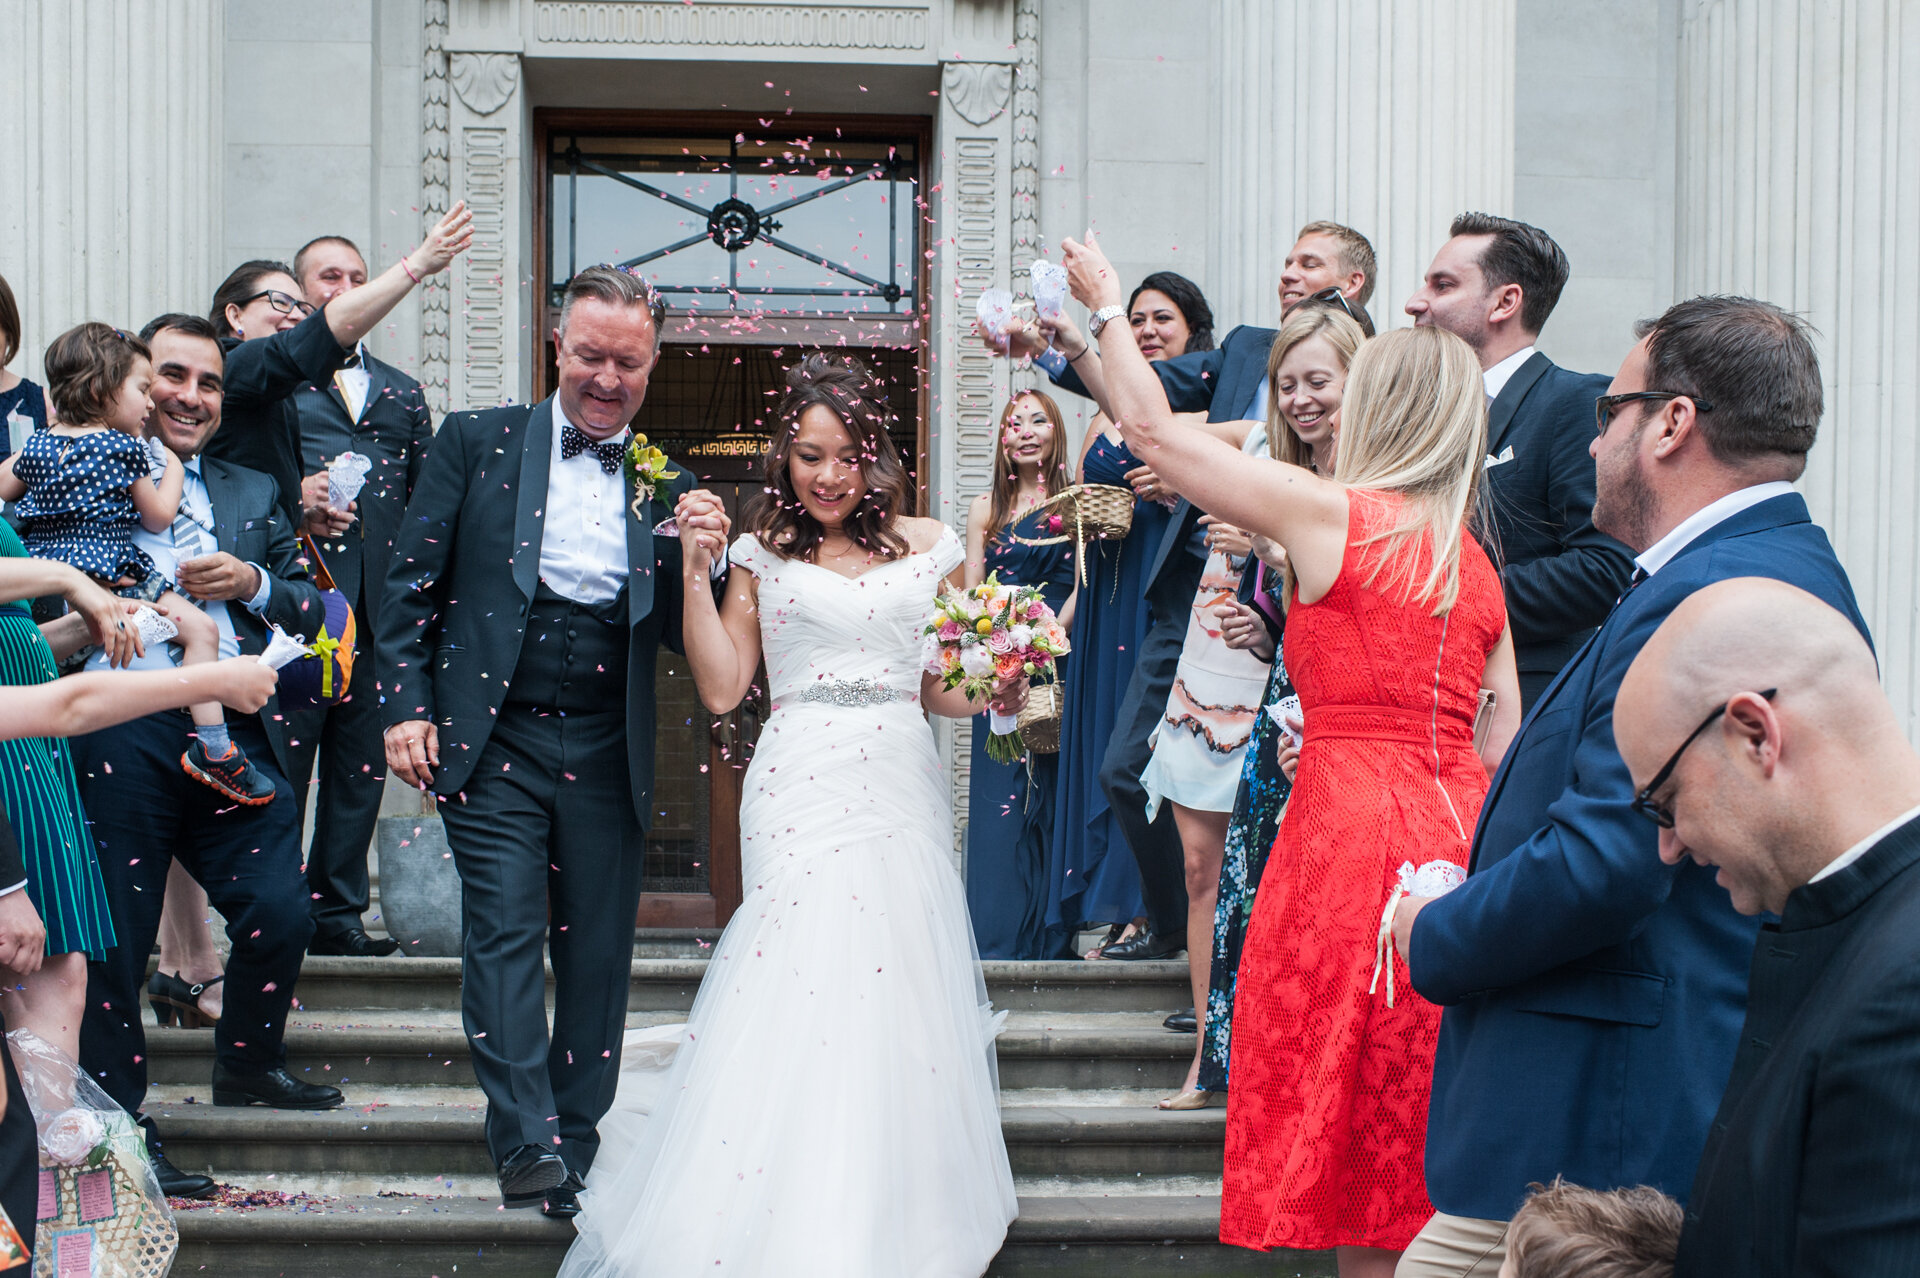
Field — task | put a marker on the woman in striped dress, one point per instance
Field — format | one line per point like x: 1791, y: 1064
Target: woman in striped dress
x: 42, y: 803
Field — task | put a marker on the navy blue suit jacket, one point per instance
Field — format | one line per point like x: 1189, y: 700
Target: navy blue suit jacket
x: 1593, y: 994
x: 1221, y: 383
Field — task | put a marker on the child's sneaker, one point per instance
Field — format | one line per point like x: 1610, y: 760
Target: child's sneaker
x: 234, y: 776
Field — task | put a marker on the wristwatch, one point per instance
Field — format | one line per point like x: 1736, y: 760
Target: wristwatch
x: 1101, y: 316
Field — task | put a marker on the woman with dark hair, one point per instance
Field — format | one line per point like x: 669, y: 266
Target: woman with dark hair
x: 23, y: 406
x: 831, y: 1107
x: 1010, y: 805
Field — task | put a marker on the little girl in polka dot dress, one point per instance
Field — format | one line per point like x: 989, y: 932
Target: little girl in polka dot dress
x: 82, y: 485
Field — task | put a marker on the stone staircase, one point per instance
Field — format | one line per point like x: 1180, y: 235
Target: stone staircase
x: 398, y: 1181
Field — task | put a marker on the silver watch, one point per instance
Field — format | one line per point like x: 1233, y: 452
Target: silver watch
x: 1101, y: 316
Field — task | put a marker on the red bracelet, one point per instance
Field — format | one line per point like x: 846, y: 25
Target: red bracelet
x: 409, y: 271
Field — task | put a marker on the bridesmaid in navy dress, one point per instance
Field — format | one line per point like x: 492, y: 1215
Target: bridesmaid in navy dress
x: 1010, y: 805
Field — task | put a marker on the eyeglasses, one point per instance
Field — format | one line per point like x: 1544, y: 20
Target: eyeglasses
x: 285, y: 303
x: 1643, y: 802
x: 1331, y: 296
x: 1604, y: 406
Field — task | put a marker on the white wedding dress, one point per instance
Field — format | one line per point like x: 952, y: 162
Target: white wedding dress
x: 831, y: 1106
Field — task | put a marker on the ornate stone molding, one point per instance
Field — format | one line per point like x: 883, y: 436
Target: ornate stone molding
x: 436, y: 296
x: 1026, y: 135
x: 485, y: 81
x: 778, y: 26
x: 977, y: 91
x: 485, y: 330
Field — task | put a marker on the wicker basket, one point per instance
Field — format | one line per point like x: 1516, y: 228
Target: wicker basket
x: 1040, y: 717
x: 132, y: 1235
x: 1087, y: 512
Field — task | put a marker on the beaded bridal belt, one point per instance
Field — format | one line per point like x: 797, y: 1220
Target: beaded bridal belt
x: 853, y: 692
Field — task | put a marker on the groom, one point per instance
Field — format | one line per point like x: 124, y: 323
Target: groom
x: 525, y: 604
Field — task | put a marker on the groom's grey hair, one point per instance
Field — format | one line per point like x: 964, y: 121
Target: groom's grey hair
x: 616, y: 286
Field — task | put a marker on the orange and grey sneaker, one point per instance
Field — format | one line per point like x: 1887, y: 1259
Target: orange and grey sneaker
x: 234, y: 776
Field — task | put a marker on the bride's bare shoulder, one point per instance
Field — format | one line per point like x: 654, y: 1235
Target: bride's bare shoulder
x: 922, y: 534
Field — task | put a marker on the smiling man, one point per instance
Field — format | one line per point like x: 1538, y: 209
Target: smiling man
x: 1754, y: 726
x: 525, y: 604
x: 1572, y: 957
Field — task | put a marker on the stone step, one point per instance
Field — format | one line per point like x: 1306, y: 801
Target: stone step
x: 1090, y: 1052
x: 427, y: 1141
x: 1062, y: 1236
x: 668, y: 984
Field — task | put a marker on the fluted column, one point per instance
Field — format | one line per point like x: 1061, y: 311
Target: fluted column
x: 111, y: 132
x: 1799, y: 182
x: 1390, y: 116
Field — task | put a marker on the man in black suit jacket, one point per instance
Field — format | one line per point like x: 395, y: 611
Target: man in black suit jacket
x: 1494, y: 283
x: 145, y: 811
x: 1754, y: 726
x: 525, y: 604
x: 1227, y: 383
x: 373, y: 409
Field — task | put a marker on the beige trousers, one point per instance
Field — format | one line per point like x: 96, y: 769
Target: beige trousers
x: 1455, y: 1247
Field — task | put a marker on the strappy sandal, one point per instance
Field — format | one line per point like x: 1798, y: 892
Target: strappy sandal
x: 177, y: 1002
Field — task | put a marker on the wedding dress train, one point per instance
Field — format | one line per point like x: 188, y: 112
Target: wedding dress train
x: 831, y: 1105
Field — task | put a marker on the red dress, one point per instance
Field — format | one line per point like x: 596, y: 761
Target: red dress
x: 1327, y: 1095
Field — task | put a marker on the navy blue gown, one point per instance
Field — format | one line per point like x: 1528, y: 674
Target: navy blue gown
x: 1009, y: 817
x: 1093, y: 879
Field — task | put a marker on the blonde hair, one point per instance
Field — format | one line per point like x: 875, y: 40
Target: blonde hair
x: 1414, y: 422
x: 1305, y: 323
x: 1565, y: 1231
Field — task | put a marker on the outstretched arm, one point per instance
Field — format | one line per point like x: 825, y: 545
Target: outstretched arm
x: 353, y: 314
x: 89, y: 702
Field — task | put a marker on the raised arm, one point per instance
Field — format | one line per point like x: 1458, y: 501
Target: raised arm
x: 722, y: 639
x: 353, y: 314
x: 158, y: 501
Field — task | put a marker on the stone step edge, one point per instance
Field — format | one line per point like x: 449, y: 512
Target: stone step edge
x: 996, y: 971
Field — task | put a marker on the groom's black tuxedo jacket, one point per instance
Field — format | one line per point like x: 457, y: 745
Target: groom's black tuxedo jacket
x: 465, y: 566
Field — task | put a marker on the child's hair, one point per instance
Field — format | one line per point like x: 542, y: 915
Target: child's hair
x: 1565, y: 1231
x: 86, y: 366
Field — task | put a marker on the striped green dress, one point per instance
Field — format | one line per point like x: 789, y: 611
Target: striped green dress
x: 42, y: 802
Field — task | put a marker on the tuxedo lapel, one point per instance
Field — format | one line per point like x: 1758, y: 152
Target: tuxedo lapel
x: 640, y: 565
x: 376, y: 385
x: 339, y: 400
x: 530, y: 514
x: 1507, y: 404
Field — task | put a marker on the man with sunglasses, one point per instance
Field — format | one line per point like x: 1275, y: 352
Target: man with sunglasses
x: 1766, y: 753
x: 1572, y: 958
x: 1493, y: 284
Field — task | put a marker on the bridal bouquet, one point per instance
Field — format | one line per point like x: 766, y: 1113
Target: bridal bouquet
x: 991, y: 633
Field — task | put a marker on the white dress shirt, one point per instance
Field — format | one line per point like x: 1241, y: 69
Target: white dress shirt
x: 1865, y: 845
x: 1658, y: 555
x: 354, y: 383
x: 1496, y: 378
x: 583, y: 545
x: 197, y: 501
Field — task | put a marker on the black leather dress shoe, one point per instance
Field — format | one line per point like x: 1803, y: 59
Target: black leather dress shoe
x: 1183, y: 1022
x: 1147, y: 945
x: 563, y: 1200
x: 528, y: 1173
x: 175, y: 1183
x: 276, y: 1087
x: 352, y: 943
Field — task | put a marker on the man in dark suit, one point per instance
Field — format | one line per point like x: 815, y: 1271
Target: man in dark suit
x: 373, y: 409
x: 23, y: 940
x: 145, y: 811
x: 1228, y: 383
x: 1571, y: 959
x: 525, y: 604
x: 1493, y: 284
x: 1754, y: 726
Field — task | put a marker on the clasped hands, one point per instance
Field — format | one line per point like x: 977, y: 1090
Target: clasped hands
x: 704, y: 528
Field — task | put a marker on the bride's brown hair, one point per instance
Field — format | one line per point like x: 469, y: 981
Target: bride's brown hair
x: 849, y: 390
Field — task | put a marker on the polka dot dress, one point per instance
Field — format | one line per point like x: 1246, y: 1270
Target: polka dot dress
x: 78, y: 508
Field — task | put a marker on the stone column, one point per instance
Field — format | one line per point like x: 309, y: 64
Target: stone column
x: 110, y: 125
x: 1799, y: 183
x: 1390, y: 116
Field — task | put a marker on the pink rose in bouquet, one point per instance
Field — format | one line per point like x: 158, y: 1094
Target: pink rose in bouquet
x: 983, y: 638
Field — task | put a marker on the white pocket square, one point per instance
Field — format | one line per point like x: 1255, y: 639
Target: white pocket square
x: 1506, y: 455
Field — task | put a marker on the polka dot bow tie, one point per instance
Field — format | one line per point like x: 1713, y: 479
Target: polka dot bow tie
x: 574, y: 441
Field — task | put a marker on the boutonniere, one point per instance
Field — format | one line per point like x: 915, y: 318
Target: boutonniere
x: 647, y: 467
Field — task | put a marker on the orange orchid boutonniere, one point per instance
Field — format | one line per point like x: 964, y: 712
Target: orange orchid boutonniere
x: 648, y: 468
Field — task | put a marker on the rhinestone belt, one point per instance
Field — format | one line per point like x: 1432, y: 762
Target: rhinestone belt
x: 853, y: 692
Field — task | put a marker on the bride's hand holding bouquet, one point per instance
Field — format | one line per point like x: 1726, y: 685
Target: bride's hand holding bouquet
x: 989, y: 640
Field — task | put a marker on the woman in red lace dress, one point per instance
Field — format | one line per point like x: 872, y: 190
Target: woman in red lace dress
x: 1397, y: 625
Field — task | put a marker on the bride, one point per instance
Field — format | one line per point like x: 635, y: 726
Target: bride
x: 831, y: 1106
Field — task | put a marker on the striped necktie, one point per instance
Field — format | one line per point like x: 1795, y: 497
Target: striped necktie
x: 191, y: 539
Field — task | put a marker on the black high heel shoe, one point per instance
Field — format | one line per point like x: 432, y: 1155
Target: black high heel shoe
x: 175, y: 1002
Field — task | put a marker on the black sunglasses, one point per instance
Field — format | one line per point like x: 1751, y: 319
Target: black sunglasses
x: 1643, y: 802
x: 1331, y: 296
x: 285, y: 303
x: 1604, y: 406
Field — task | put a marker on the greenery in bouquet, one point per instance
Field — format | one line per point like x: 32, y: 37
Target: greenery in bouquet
x: 984, y: 637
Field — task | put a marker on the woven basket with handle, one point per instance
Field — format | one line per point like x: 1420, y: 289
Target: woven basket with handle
x: 1040, y: 717
x: 138, y: 1240
x: 1087, y: 512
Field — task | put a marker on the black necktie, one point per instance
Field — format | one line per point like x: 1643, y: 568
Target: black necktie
x: 574, y: 441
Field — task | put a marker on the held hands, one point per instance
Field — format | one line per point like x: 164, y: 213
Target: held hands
x: 1242, y: 628
x: 1089, y: 274
x: 1225, y: 538
x: 23, y: 937
x: 451, y: 236
x: 704, y: 530
x: 413, y: 751
x: 106, y: 615
x: 217, y: 576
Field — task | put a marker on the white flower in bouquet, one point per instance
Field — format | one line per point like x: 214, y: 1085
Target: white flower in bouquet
x: 977, y: 660
x: 71, y: 1135
x: 1021, y: 634
x: 930, y: 646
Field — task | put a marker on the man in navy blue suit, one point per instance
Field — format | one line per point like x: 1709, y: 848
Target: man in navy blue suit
x: 1593, y: 993
x: 1493, y: 284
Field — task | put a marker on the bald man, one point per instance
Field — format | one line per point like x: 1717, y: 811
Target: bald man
x: 1759, y: 741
